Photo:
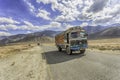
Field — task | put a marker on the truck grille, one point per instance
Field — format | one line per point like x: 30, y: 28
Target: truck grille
x: 78, y: 42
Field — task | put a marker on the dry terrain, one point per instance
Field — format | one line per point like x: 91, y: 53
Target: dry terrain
x: 27, y: 61
x: 11, y: 48
x: 28, y: 64
x: 105, y: 44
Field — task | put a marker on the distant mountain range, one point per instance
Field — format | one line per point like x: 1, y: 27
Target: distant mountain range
x: 94, y: 29
x: 112, y: 32
x: 2, y: 37
x: 95, y: 32
x: 43, y: 36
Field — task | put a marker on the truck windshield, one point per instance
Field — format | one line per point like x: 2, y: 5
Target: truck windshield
x: 74, y: 34
x: 77, y: 34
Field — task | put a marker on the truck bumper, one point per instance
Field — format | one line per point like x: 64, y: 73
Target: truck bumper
x: 78, y: 47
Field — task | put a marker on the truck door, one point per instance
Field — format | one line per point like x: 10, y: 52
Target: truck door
x: 68, y: 38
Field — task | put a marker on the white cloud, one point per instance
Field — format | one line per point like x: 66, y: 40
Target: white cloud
x: 30, y: 27
x: 107, y: 15
x: 62, y: 18
x: 31, y: 7
x: 43, y: 14
x: 38, y: 12
x: 115, y: 10
x: 97, y: 6
x: 29, y: 32
x: 98, y: 11
x: 52, y: 25
x: 45, y: 1
x: 5, y: 33
x: 68, y: 9
x: 3, y: 27
x: 7, y: 27
x: 53, y: 2
x: 84, y: 24
x: 55, y: 24
x: 8, y: 20
x: 67, y: 26
x: 28, y: 23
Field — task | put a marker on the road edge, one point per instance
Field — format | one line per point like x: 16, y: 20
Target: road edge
x: 48, y: 66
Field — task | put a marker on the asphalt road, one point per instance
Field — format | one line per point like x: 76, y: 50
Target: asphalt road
x: 90, y: 66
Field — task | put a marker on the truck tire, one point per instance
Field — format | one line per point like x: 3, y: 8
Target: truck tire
x: 59, y: 49
x: 69, y: 52
x: 82, y: 51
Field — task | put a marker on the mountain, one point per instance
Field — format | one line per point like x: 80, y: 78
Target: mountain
x: 2, y: 37
x: 43, y: 36
x: 112, y: 32
x: 95, y: 32
x: 93, y: 29
x: 98, y: 28
x: 48, y: 33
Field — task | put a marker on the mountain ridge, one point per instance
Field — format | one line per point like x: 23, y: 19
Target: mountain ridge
x: 48, y: 35
x: 112, y: 32
x: 43, y: 36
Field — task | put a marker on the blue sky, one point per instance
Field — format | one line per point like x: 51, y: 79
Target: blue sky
x: 26, y: 16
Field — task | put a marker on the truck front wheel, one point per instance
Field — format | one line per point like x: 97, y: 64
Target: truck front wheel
x: 82, y: 51
x: 69, y: 51
x: 59, y: 49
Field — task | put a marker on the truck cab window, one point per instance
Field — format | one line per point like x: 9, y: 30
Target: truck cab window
x: 74, y: 34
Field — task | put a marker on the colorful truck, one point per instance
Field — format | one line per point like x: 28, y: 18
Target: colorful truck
x: 73, y: 39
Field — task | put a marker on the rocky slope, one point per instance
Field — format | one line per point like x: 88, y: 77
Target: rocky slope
x: 43, y: 36
x: 112, y: 32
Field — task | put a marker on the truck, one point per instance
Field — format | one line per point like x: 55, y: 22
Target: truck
x: 73, y: 39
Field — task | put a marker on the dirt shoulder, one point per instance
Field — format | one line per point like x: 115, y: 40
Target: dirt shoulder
x: 24, y: 65
x: 105, y: 44
x: 10, y: 49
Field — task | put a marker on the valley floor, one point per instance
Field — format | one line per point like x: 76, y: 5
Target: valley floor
x: 44, y: 62
x: 105, y: 44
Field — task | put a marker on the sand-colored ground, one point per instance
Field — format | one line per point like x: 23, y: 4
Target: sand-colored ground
x: 27, y: 61
x: 105, y: 44
x: 11, y: 48
x: 27, y: 64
